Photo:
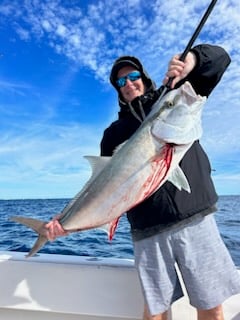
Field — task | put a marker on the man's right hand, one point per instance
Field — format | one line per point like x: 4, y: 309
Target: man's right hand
x: 55, y: 229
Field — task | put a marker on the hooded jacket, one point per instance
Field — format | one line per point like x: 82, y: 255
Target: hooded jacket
x: 168, y: 206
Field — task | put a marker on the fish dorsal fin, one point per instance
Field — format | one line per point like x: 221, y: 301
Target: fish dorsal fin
x: 97, y: 164
x: 179, y: 180
x: 119, y: 147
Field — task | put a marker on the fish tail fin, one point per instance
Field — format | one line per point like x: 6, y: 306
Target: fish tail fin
x: 37, y: 245
x: 36, y: 225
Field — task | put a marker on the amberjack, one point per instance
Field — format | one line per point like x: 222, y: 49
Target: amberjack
x: 137, y: 169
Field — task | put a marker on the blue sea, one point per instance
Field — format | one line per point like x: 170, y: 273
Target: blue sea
x: 15, y: 237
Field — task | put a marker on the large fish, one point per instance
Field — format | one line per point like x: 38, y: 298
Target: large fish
x: 137, y: 169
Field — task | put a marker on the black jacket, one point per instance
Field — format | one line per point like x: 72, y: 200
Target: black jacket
x: 168, y: 205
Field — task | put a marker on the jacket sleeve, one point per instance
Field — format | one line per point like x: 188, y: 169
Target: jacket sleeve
x: 106, y: 145
x: 212, y: 61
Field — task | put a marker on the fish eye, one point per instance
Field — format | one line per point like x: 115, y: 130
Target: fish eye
x: 169, y: 104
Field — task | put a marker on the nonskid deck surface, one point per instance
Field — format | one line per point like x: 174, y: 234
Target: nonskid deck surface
x: 57, y: 287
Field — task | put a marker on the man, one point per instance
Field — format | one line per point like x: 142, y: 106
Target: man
x: 174, y: 226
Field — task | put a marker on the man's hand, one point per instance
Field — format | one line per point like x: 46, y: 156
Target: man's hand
x: 55, y: 229
x: 178, y: 70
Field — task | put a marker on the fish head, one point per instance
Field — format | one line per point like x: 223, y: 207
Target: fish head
x: 179, y: 118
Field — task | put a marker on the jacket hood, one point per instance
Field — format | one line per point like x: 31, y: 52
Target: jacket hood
x: 124, y: 61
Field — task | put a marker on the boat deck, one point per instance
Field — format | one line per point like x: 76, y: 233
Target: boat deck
x: 56, y: 287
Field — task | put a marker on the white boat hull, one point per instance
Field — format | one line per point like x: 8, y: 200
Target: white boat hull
x: 57, y: 287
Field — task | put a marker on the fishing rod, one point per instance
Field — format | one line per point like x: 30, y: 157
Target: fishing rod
x: 191, y: 41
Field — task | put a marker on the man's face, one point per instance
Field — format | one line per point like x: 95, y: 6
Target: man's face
x: 132, y: 89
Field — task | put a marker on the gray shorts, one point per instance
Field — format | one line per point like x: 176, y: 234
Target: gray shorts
x: 207, y: 269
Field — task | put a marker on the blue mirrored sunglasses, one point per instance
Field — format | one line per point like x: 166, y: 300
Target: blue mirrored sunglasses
x: 132, y: 76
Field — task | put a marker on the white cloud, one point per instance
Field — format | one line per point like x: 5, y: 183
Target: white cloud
x: 105, y: 29
x: 50, y: 154
x: 92, y: 36
x: 46, y: 25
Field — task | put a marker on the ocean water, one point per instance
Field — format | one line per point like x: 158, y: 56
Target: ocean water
x: 15, y: 237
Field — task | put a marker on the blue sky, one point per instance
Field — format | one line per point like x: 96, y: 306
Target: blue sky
x: 56, y: 99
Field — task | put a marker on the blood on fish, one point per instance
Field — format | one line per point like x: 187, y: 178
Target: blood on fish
x: 113, y: 227
x: 160, y: 166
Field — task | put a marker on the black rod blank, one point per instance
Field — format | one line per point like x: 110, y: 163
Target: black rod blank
x: 197, y: 31
x: 194, y: 36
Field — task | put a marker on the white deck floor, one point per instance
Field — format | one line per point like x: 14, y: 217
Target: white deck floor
x: 55, y: 287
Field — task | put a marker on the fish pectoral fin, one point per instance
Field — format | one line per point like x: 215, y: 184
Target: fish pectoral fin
x: 179, y: 180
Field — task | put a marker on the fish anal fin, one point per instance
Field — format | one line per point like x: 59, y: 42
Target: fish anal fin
x: 113, y: 227
x: 110, y: 228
